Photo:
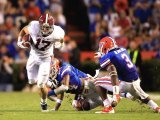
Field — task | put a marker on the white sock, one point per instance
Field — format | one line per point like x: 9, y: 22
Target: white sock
x: 152, y: 104
x: 106, y: 103
x: 110, y: 99
x: 44, y: 100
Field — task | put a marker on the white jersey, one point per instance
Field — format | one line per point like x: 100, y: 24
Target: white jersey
x: 43, y: 46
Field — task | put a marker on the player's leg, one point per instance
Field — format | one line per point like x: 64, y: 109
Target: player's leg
x: 106, y: 101
x: 137, y: 92
x: 43, y: 75
x: 107, y: 85
x: 145, y: 97
x: 32, y: 70
x: 103, y: 85
x: 92, y: 98
x: 124, y: 90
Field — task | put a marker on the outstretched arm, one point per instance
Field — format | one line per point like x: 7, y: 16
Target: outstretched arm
x: 114, y: 79
x: 63, y: 88
x: 113, y: 74
x: 59, y: 101
x: 59, y: 92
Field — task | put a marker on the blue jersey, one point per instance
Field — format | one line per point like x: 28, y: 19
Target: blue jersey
x: 119, y: 57
x: 75, y: 83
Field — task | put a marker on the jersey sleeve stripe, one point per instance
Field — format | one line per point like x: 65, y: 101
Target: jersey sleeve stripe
x: 105, y: 63
x: 68, y: 68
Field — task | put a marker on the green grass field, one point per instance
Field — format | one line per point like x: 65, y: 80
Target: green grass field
x: 25, y: 106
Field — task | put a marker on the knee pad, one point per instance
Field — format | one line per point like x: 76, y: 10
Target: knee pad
x: 40, y: 84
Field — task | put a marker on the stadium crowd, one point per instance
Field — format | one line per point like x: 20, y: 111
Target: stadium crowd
x: 123, y: 20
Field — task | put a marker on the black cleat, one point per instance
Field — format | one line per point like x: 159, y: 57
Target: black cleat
x: 44, y: 107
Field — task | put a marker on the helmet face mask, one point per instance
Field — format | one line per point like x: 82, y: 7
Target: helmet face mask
x: 46, y: 29
x: 102, y: 49
x: 46, y: 22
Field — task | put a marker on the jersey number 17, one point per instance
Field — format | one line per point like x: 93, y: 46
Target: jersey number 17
x: 44, y: 44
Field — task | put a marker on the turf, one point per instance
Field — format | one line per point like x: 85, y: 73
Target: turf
x: 25, y: 106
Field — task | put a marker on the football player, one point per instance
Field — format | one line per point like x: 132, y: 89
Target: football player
x: 117, y: 62
x: 44, y: 35
x: 66, y: 78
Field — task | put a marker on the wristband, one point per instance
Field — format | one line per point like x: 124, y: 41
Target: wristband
x: 115, y: 89
x: 59, y: 101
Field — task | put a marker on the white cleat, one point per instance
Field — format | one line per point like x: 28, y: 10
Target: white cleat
x: 52, y: 110
x: 45, y: 110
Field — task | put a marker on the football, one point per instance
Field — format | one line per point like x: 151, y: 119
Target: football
x: 26, y: 40
x: 114, y: 104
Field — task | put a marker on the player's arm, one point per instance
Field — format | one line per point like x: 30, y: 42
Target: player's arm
x: 59, y: 44
x: 113, y: 74
x: 63, y: 88
x: 114, y: 79
x: 59, y: 37
x: 59, y: 101
x: 65, y: 85
x: 74, y: 102
x: 23, y: 32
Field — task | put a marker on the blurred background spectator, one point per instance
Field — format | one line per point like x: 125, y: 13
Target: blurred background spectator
x: 6, y: 70
x: 74, y: 53
x: 132, y: 23
x: 32, y: 11
x: 135, y: 54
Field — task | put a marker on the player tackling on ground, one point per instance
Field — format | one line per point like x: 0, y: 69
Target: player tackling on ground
x: 44, y: 35
x: 74, y: 81
x: 117, y: 62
